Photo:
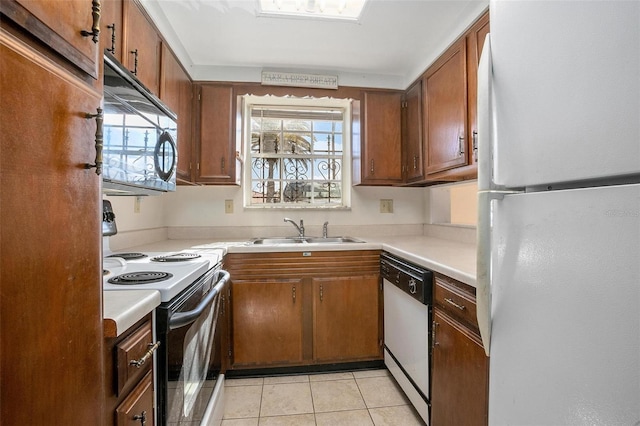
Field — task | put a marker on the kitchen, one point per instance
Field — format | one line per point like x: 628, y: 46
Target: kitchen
x: 198, y: 212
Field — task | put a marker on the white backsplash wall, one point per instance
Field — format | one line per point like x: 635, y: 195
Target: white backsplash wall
x: 199, y: 212
x: 136, y: 213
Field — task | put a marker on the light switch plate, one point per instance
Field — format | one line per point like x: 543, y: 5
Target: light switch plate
x: 228, y: 206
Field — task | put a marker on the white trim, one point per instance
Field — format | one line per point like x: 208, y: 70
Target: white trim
x: 249, y: 101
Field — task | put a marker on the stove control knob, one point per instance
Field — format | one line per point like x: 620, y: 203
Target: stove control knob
x: 413, y: 286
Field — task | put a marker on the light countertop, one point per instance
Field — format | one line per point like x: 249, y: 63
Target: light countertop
x: 451, y: 258
x: 123, y: 308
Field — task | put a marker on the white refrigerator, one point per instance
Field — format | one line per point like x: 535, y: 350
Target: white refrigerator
x: 558, y: 279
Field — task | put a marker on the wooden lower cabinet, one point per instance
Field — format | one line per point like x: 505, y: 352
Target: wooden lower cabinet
x: 137, y: 407
x: 129, y: 376
x: 267, y: 320
x: 304, y: 308
x: 460, y: 369
x: 345, y: 318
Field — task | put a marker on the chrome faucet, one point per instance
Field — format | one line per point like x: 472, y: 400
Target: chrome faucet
x: 299, y: 228
x: 325, y: 230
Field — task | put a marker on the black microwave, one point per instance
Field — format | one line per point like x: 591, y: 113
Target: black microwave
x: 140, y: 136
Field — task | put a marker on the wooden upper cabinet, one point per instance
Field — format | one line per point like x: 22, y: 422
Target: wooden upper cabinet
x: 60, y: 27
x: 445, y: 94
x: 111, y: 29
x: 475, y: 43
x: 141, y: 46
x: 381, y: 138
x: 215, y: 153
x: 412, y: 133
x: 176, y: 91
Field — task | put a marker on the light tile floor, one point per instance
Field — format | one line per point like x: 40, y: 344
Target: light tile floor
x: 359, y: 398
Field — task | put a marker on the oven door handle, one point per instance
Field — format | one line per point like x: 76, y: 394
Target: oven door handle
x: 184, y: 318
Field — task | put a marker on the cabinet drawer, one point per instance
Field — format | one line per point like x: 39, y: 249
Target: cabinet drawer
x: 456, y: 301
x: 137, y: 407
x: 131, y: 357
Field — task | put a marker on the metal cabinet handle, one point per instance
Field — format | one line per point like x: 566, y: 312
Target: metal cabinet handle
x: 321, y: 292
x: 474, y: 140
x: 95, y: 28
x: 222, y: 164
x: 433, y: 334
x: 142, y: 417
x: 415, y: 162
x: 112, y: 27
x: 135, y: 61
x: 371, y: 166
x: 293, y: 293
x: 140, y: 362
x: 460, y: 146
x: 452, y: 303
x: 99, y: 141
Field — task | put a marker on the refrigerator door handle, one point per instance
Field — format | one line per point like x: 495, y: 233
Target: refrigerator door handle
x: 487, y: 191
x: 483, y: 269
x: 483, y: 263
x: 485, y: 185
x: 484, y: 116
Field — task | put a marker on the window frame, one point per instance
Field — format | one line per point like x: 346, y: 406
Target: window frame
x: 248, y: 102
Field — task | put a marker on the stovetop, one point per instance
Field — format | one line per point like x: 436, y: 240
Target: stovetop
x: 180, y: 274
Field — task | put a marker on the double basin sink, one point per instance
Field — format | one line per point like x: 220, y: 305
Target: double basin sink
x: 305, y: 240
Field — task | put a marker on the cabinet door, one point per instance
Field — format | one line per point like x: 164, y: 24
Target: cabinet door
x: 142, y: 46
x: 475, y: 43
x: 215, y: 150
x: 59, y: 26
x: 176, y: 92
x: 446, y: 110
x: 412, y: 133
x: 137, y: 407
x: 345, y: 318
x: 267, y: 322
x: 50, y: 222
x: 111, y: 28
x: 460, y: 374
x: 381, y: 145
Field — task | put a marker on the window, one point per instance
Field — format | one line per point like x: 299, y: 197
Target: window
x: 296, y: 152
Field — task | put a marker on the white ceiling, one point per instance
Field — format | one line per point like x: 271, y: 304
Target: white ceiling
x: 393, y: 43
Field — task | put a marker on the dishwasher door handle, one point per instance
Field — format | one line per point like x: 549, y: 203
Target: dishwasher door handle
x: 184, y: 318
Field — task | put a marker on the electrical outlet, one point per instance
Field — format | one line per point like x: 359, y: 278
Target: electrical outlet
x: 386, y: 206
x: 228, y: 206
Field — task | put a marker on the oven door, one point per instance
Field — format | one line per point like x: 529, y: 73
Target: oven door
x: 190, y: 353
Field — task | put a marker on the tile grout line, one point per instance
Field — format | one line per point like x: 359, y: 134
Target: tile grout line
x: 364, y: 400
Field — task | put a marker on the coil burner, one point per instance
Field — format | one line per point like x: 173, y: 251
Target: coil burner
x: 129, y: 256
x: 177, y: 257
x: 142, y: 277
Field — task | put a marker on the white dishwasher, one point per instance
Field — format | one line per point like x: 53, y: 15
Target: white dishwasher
x: 407, y: 328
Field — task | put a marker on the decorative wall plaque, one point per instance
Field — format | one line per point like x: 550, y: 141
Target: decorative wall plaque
x: 277, y: 78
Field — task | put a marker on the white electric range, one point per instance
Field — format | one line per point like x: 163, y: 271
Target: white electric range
x: 167, y: 272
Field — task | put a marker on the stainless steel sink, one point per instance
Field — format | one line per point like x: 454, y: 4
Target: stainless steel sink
x: 305, y: 240
x: 333, y: 240
x: 279, y: 240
